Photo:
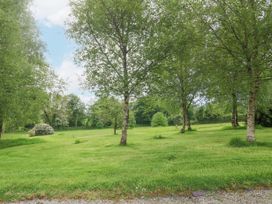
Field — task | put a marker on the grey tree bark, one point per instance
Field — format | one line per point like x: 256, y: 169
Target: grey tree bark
x: 186, y: 119
x: 251, y: 111
x: 115, y: 126
x: 125, y: 120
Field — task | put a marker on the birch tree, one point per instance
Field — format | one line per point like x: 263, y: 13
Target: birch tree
x: 243, y: 29
x: 112, y: 36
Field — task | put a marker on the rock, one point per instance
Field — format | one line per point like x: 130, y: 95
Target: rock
x: 198, y: 194
x: 40, y: 130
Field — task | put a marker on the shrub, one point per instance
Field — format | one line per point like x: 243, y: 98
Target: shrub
x: 159, y: 120
x: 41, y: 129
x: 99, y: 125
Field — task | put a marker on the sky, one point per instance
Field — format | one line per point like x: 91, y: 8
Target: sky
x: 51, y: 16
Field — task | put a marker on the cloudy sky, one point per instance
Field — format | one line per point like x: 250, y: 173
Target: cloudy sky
x: 51, y: 16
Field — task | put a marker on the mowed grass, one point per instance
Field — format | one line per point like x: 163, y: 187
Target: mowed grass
x: 90, y: 164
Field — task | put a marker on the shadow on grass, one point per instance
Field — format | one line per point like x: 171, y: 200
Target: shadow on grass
x: 19, y: 142
x: 259, y: 127
x: 159, y: 137
x: 238, y: 142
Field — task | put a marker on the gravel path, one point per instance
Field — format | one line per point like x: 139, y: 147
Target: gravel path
x: 249, y: 197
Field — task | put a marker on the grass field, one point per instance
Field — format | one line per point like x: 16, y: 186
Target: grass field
x: 90, y: 164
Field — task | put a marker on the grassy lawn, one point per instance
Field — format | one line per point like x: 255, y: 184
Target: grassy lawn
x: 90, y: 164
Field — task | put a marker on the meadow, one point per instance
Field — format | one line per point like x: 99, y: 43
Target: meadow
x: 90, y: 164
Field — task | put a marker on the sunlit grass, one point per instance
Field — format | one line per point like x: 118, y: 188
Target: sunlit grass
x: 90, y: 163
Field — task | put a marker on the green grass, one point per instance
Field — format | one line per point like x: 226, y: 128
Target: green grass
x: 90, y: 164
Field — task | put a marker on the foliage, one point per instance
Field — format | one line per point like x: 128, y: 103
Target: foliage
x: 41, y: 129
x: 264, y: 118
x: 106, y: 112
x: 24, y: 74
x: 159, y: 119
x: 175, y: 120
x: 132, y: 122
x: 242, y: 30
x: 145, y: 107
x: 56, y: 112
x: 76, y: 111
x: 113, y: 36
x: 178, y: 77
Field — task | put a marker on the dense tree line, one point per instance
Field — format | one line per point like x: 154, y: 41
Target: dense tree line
x: 211, y: 50
x: 24, y: 75
x: 185, y: 61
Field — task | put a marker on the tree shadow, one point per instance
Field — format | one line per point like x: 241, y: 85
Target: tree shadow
x: 238, y: 142
x: 7, y: 143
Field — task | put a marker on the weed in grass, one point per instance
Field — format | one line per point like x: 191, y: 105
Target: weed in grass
x: 171, y: 157
x: 159, y: 137
x: 77, y: 141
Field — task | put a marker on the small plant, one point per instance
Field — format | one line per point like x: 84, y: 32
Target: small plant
x: 171, y: 157
x: 77, y: 141
x: 158, y: 137
x: 159, y: 120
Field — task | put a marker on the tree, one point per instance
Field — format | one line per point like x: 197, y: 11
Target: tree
x: 244, y: 30
x: 56, y: 111
x: 107, y: 111
x: 225, y: 84
x: 179, y: 78
x: 159, y: 119
x: 113, y: 35
x: 145, y: 107
x: 76, y: 110
x: 23, y: 72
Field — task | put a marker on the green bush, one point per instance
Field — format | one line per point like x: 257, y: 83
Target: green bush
x: 99, y: 125
x: 41, y: 129
x: 159, y: 119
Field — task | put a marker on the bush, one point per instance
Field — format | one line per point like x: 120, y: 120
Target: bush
x: 159, y: 120
x: 41, y: 129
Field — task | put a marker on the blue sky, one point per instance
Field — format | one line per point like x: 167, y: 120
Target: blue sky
x: 51, y: 16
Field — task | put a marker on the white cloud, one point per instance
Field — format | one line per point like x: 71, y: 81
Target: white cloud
x: 73, y: 77
x: 51, y: 12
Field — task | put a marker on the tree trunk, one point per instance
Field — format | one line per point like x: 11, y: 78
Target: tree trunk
x: 1, y: 127
x: 115, y: 126
x: 186, y: 120
x: 76, y: 120
x: 125, y: 120
x: 189, y: 128
x: 234, y: 119
x: 251, y: 110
